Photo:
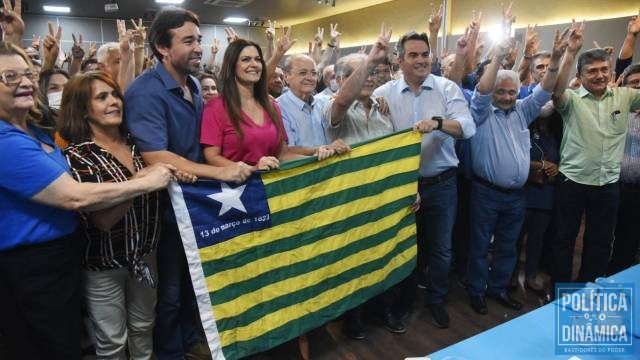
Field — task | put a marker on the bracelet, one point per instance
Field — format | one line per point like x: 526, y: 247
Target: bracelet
x: 331, y: 45
x: 552, y: 70
x: 139, y: 47
x: 528, y: 57
x: 542, y: 168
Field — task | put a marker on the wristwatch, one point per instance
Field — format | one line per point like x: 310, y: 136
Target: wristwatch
x: 439, y: 120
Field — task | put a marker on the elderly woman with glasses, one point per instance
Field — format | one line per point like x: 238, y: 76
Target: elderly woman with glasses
x: 39, y: 259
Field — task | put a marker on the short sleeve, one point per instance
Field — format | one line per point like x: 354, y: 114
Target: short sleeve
x: 81, y: 170
x: 212, y: 130
x: 146, y: 120
x: 26, y: 169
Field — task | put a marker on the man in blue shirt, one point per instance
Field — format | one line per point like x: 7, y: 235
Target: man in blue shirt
x: 538, y: 68
x: 302, y: 112
x: 435, y: 106
x: 500, y: 161
x: 163, y: 108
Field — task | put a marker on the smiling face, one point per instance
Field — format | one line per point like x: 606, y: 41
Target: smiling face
x: 416, y: 62
x: 18, y: 96
x: 185, y: 52
x: 595, y: 76
x: 105, y: 106
x: 249, y: 66
x: 505, y: 95
x: 302, y: 77
x: 209, y: 89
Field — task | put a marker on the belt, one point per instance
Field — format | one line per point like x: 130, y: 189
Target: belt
x: 431, y: 180
x: 493, y: 186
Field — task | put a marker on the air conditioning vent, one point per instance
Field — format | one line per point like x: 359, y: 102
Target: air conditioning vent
x: 228, y: 3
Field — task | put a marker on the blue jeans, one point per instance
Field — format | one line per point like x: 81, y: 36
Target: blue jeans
x: 176, y: 329
x: 435, y: 225
x: 499, y: 214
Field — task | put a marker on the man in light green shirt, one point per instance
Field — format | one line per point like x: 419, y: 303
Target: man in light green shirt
x: 595, y: 125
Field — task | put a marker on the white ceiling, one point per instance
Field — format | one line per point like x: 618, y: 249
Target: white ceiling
x: 286, y: 12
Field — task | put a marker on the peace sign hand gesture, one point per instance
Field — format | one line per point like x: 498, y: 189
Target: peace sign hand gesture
x: 11, y: 21
x: 77, y: 52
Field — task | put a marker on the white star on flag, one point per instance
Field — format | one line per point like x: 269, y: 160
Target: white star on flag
x: 229, y: 198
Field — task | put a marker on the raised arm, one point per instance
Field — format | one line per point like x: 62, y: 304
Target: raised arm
x: 284, y: 44
x: 353, y: 85
x: 457, y: 71
x: 327, y: 55
x: 628, y: 46
x: 77, y: 54
x: 127, y: 63
x: 531, y: 45
x: 474, y: 48
x: 270, y: 33
x: 215, y: 47
x: 488, y: 80
x: 139, y: 37
x: 11, y: 22
x: 575, y: 41
x: 51, y: 46
x: 560, y: 44
x: 435, y: 22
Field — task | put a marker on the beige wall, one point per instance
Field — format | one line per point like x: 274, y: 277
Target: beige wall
x: 362, y: 26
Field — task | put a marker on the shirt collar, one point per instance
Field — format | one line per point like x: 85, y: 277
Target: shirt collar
x: 299, y: 103
x: 427, y: 84
x: 582, y: 92
x: 170, y: 83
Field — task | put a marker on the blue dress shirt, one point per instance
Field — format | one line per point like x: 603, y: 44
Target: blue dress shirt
x: 303, y: 121
x: 160, y: 118
x: 500, y: 149
x: 438, y: 97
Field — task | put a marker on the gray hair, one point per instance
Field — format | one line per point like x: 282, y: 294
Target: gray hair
x: 343, y: 65
x: 508, y: 75
x: 103, y: 52
x: 289, y: 60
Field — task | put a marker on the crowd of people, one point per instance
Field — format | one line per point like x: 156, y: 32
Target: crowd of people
x: 510, y: 161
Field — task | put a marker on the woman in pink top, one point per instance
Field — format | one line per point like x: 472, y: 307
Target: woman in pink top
x: 244, y: 123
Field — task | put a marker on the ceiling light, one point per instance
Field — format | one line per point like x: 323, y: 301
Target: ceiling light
x: 57, y: 8
x: 169, y: 1
x: 235, y: 20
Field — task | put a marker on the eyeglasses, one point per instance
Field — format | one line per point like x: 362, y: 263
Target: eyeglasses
x: 12, y: 77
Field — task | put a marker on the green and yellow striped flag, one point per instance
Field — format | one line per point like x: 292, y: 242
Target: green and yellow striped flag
x: 292, y: 249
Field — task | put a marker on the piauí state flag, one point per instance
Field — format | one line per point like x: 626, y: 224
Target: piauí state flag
x: 291, y: 249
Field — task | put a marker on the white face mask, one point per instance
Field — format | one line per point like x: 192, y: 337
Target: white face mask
x: 55, y: 99
x: 333, y: 85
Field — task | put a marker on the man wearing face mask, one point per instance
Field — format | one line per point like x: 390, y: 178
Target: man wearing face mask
x: 500, y: 152
x: 329, y: 80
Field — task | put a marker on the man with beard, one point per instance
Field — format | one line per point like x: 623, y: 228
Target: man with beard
x: 500, y: 153
x: 596, y: 120
x: 163, y: 108
x: 434, y: 105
